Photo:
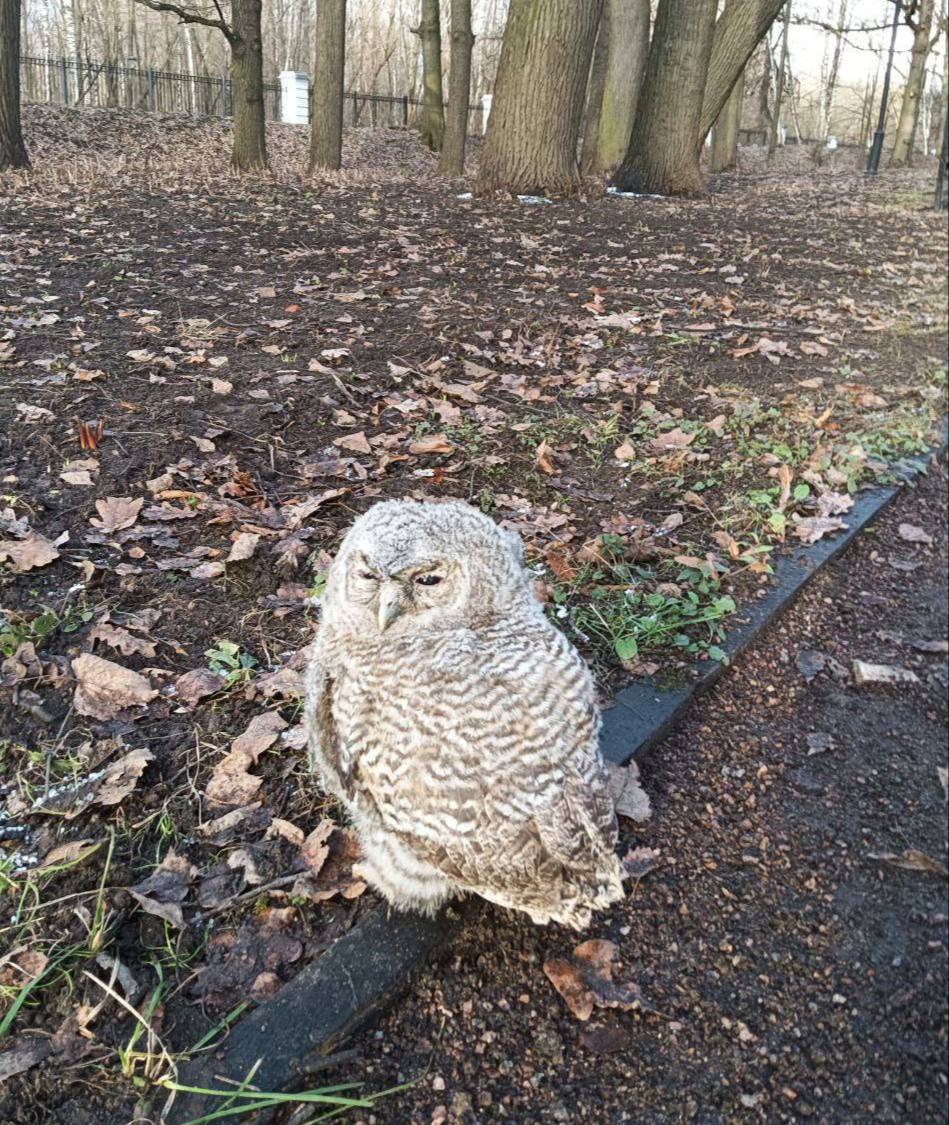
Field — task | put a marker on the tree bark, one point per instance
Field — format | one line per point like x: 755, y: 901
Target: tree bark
x: 902, y: 154
x: 596, y: 83
x: 779, y: 84
x: 740, y: 29
x: 531, y: 142
x: 452, y: 162
x: 663, y: 152
x: 724, y: 151
x: 624, y: 32
x: 247, y: 85
x: 433, y: 112
x: 329, y: 64
x: 12, y: 149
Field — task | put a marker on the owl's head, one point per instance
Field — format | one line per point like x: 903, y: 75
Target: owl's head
x: 408, y: 568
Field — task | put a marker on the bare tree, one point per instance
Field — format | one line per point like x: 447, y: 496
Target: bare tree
x: 616, y: 76
x: 429, y: 30
x: 663, y: 152
x: 740, y: 29
x: 326, y: 120
x: 919, y: 17
x: 779, y: 84
x: 724, y: 151
x: 243, y: 36
x: 452, y: 162
x: 531, y: 142
x: 12, y: 149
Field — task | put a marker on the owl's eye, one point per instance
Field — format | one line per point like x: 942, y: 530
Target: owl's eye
x: 428, y: 579
x: 366, y: 576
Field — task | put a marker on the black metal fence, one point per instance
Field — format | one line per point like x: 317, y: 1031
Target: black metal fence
x: 128, y: 86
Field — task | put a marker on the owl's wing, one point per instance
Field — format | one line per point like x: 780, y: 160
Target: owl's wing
x: 323, y: 737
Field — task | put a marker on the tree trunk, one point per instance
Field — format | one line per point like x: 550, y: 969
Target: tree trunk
x: 531, y: 142
x: 329, y: 63
x: 779, y: 84
x: 737, y: 33
x: 433, y: 112
x: 12, y: 148
x: 764, y: 89
x: 452, y: 162
x: 624, y: 27
x: 902, y: 154
x: 830, y: 89
x: 663, y: 153
x: 247, y: 86
x: 724, y: 152
x: 596, y: 83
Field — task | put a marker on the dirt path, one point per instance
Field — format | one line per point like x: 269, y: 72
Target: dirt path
x: 798, y: 976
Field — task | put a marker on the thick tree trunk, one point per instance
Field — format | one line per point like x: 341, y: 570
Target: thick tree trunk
x: 624, y: 30
x: 12, y: 149
x: 531, y: 142
x: 902, y: 154
x: 724, y: 151
x: 433, y: 112
x: 326, y: 120
x: 247, y: 85
x: 596, y: 83
x: 663, y: 153
x: 740, y: 29
x: 452, y: 162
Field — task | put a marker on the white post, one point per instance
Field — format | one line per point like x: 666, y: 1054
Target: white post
x: 294, y: 98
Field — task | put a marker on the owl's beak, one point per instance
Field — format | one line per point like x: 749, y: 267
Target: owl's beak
x: 390, y: 605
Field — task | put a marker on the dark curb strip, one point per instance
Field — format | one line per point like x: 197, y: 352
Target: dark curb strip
x: 363, y: 971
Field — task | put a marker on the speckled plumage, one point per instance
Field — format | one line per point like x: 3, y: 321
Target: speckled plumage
x: 455, y: 723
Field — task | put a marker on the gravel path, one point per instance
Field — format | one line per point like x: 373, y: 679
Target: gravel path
x: 797, y: 976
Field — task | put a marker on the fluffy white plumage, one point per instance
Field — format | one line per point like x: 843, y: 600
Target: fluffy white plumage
x: 456, y: 724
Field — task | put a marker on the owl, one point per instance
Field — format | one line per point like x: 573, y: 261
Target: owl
x: 457, y: 726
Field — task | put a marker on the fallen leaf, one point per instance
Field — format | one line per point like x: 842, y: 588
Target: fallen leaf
x: 809, y: 662
x: 913, y: 534
x: 77, y: 478
x: 912, y: 860
x: 195, y: 685
x: 121, y: 639
x: 243, y: 546
x: 810, y: 529
x: 356, y: 443
x: 117, y: 513
x: 543, y: 457
x: 221, y: 386
x: 586, y: 981
x: 231, y: 783
x: 628, y: 795
x: 433, y: 443
x: 26, y: 554
x: 811, y: 347
x: 163, y: 892
x: 638, y: 862
x: 261, y: 733
x: 106, y: 787
x: 104, y: 688
x: 672, y: 439
x: 32, y: 414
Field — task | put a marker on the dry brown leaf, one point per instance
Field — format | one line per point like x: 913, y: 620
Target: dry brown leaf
x: 104, y: 688
x: 108, y: 787
x: 315, y: 847
x: 231, y: 783
x: 544, y: 459
x: 77, y: 478
x: 809, y: 529
x: 26, y: 554
x: 628, y: 795
x: 811, y: 347
x: 260, y: 735
x: 672, y: 439
x: 638, y: 862
x: 624, y: 452
x: 433, y: 443
x: 121, y: 639
x: 784, y: 479
x: 559, y: 565
x: 117, y: 513
x: 355, y: 443
x: 163, y: 892
x: 586, y: 981
x: 193, y: 686
x: 243, y: 546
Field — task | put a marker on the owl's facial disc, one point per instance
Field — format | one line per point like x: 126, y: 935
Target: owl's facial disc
x: 403, y: 592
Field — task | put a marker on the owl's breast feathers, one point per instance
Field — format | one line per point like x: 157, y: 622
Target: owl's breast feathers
x: 477, y: 748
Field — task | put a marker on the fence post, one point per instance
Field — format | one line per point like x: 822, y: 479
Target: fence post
x: 355, y: 109
x: 65, y: 80
x: 405, y: 111
x: 150, y: 87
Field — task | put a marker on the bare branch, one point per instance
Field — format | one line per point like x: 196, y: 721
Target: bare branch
x: 185, y: 15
